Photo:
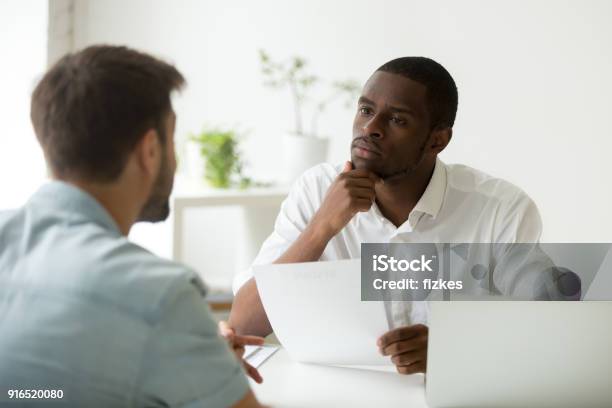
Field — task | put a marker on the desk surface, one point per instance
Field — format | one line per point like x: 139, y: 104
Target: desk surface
x: 291, y: 384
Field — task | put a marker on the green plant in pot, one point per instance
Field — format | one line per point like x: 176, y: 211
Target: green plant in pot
x: 219, y: 148
x: 293, y: 74
x: 304, y: 146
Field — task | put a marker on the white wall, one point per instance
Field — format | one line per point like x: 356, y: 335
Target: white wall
x: 534, y: 80
x: 23, y: 48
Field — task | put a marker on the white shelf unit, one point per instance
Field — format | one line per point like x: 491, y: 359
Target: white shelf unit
x: 219, y: 232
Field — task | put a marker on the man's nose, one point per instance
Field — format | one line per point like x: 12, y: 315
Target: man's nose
x: 373, y: 127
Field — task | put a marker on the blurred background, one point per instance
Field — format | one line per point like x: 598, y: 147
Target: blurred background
x: 535, y: 98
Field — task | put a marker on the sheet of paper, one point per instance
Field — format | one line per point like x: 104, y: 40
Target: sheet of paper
x: 317, y: 314
x: 257, y: 355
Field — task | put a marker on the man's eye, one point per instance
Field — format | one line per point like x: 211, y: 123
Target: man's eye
x: 365, y: 110
x: 398, y: 121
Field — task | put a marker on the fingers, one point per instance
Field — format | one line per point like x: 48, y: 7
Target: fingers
x: 419, y: 367
x: 248, y: 340
x: 226, y: 331
x: 416, y: 343
x: 362, y: 174
x: 252, y: 372
x: 224, y: 327
x: 237, y: 343
x: 238, y: 340
x: 360, y: 185
x: 407, y: 347
x: 238, y: 352
x: 349, y: 171
x: 362, y: 182
x: 366, y: 193
x: 401, y: 333
x: 348, y: 166
x: 408, y: 358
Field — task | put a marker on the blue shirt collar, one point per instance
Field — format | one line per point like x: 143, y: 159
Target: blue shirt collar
x: 65, y: 197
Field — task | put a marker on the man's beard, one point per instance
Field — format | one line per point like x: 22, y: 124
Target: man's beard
x: 408, y: 169
x: 157, y: 207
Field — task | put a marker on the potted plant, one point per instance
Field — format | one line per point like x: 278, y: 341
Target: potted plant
x: 223, y: 167
x: 304, y: 147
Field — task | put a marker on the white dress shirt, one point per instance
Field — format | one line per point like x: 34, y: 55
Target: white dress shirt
x: 459, y: 205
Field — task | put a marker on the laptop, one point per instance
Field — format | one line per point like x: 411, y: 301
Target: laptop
x: 520, y: 354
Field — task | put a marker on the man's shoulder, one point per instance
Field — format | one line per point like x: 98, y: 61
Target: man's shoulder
x: 79, y: 258
x: 9, y: 219
x: 467, y: 179
x: 145, y: 282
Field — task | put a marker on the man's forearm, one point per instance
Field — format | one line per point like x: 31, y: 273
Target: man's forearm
x: 248, y: 315
x: 308, y: 247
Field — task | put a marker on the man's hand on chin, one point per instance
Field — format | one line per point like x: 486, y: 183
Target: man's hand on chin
x: 407, y: 347
x: 351, y: 192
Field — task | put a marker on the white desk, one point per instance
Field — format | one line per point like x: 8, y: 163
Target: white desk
x: 291, y: 384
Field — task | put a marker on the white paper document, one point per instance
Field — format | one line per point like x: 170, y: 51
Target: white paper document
x: 316, y: 312
x: 257, y: 355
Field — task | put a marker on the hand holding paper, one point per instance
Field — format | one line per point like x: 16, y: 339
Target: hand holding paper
x: 408, y: 347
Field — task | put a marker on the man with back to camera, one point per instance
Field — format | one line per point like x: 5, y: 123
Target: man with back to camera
x: 394, y: 189
x: 83, y: 311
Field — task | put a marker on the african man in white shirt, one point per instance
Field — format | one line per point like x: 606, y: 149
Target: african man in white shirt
x: 394, y: 189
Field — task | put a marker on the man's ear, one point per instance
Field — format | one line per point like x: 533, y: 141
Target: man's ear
x: 148, y: 153
x: 440, y: 137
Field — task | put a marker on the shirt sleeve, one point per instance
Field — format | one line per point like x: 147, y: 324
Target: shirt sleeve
x: 186, y: 363
x: 295, y: 213
x: 518, y: 220
x: 520, y: 264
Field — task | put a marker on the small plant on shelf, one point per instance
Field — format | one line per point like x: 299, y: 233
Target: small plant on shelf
x: 224, y: 166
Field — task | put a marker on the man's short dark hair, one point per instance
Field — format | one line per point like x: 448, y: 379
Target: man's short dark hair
x: 92, y: 107
x: 442, y: 95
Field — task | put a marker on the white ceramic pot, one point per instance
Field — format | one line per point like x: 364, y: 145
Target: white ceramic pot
x: 301, y: 153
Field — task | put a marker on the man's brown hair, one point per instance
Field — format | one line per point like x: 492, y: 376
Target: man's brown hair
x: 92, y: 107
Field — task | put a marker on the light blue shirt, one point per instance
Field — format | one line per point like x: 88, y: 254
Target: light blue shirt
x: 85, y: 311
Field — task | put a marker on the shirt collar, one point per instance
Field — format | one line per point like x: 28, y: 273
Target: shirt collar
x: 64, y: 197
x: 433, y: 197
